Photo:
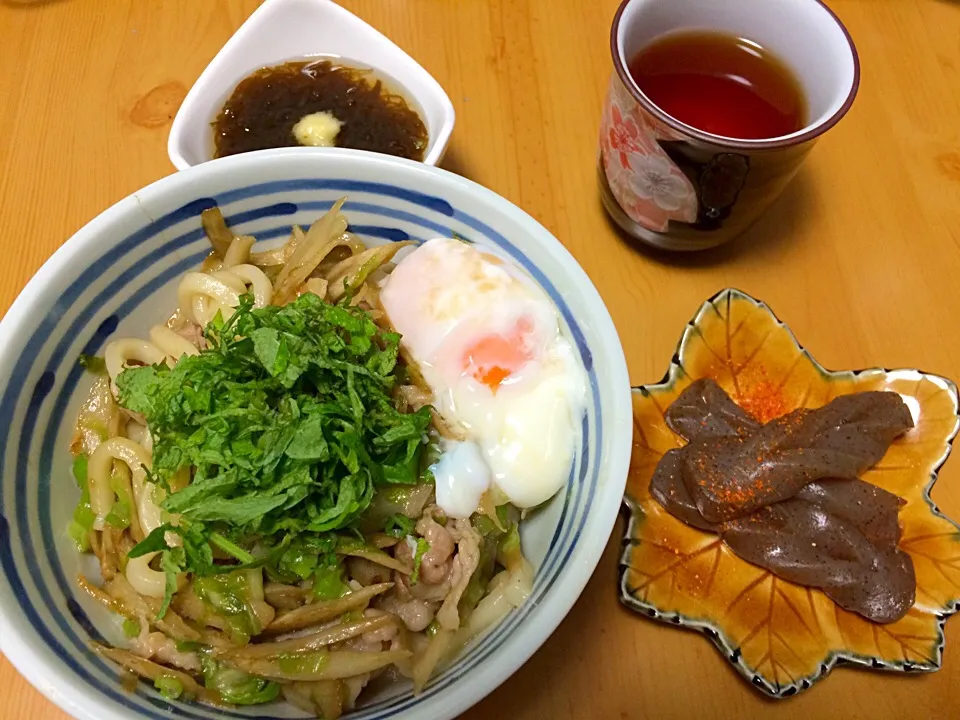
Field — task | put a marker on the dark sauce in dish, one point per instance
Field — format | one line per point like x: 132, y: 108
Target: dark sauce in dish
x: 264, y: 108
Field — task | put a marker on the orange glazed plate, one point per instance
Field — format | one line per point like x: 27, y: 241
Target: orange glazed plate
x: 783, y: 637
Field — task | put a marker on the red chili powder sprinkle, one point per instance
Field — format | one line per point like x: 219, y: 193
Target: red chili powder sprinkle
x: 764, y: 399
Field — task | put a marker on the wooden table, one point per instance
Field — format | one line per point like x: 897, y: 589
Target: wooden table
x: 861, y: 256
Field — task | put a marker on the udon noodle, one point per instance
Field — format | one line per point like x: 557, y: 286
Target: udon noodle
x: 410, y: 598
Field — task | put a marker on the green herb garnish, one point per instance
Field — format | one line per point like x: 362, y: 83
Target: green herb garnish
x: 400, y: 526
x: 288, y: 422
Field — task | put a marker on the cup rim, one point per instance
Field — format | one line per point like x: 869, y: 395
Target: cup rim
x: 720, y: 140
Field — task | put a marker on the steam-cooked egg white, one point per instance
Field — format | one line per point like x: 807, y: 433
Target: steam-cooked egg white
x: 487, y: 341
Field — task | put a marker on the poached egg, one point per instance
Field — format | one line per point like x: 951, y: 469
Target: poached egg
x: 507, y: 383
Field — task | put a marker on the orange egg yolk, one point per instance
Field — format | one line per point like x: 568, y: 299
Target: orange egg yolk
x: 491, y: 359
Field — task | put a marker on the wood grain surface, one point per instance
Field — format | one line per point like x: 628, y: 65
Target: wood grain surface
x: 861, y: 256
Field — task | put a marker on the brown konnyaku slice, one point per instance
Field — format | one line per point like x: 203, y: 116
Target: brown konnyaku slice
x: 734, y: 475
x: 804, y: 544
x: 668, y: 489
x: 871, y: 509
x: 786, y: 496
x: 705, y: 410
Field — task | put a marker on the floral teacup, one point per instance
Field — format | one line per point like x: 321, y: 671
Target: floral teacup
x: 679, y: 188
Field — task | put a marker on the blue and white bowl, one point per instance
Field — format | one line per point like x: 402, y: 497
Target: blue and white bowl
x: 118, y: 275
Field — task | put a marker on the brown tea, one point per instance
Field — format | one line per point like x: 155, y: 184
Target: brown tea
x: 721, y: 84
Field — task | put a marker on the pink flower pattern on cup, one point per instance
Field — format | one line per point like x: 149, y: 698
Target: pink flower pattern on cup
x: 643, y: 179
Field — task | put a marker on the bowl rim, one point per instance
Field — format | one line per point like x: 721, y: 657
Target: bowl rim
x: 208, y: 80
x: 19, y: 643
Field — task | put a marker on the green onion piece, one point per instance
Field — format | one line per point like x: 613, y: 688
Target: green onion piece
x: 93, y: 364
x: 119, y: 515
x: 508, y: 553
x: 80, y: 471
x: 80, y: 536
x: 131, y: 628
x: 168, y: 686
x: 328, y: 583
x: 83, y: 516
x: 422, y: 547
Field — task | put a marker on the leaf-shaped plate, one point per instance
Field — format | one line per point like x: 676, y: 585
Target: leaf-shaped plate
x: 784, y: 637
